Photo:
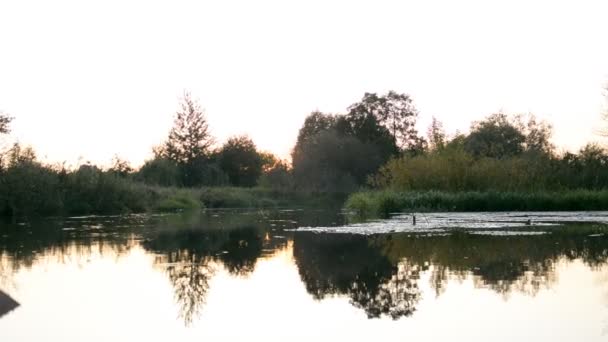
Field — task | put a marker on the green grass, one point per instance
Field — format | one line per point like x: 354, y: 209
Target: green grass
x: 174, y: 199
x: 259, y: 197
x: 381, y: 203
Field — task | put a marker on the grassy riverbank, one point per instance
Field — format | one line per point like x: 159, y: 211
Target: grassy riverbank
x: 381, y: 203
x: 45, y: 192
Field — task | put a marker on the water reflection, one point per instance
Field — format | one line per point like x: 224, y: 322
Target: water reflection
x: 381, y: 275
x: 349, y: 264
x: 191, y: 257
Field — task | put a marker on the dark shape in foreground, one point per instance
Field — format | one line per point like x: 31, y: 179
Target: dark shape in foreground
x: 7, y: 304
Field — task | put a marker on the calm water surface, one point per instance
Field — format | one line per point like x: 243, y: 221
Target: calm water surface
x: 298, y: 275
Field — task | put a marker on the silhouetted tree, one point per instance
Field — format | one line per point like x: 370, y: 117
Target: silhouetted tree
x: 120, y: 167
x: 495, y: 137
x: 5, y: 120
x: 189, y: 138
x: 240, y: 160
x: 278, y: 177
x: 603, y: 131
x: 315, y: 123
x: 330, y: 161
x: 436, y: 135
x: 189, y: 141
x: 393, y: 111
x: 537, y: 134
x: 339, y: 152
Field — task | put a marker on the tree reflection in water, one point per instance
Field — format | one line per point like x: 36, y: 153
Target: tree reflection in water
x: 381, y: 273
x: 192, y: 257
x: 336, y: 264
x: 396, y: 298
x: 190, y: 278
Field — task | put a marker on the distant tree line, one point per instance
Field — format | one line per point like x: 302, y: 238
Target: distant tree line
x: 373, y: 144
x: 187, y: 158
x: 502, y: 153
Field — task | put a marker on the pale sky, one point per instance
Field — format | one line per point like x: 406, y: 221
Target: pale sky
x: 96, y: 78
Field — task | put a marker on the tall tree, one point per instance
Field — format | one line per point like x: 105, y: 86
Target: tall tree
x: 240, y: 160
x: 315, y: 123
x: 495, y: 137
x: 603, y: 131
x: 189, y: 142
x: 189, y: 138
x: 436, y: 135
x: 538, y: 134
x: 5, y: 120
x: 393, y: 111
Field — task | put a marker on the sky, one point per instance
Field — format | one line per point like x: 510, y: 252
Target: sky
x: 87, y: 80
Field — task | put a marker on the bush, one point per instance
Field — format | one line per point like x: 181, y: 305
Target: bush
x: 381, y: 203
x: 28, y: 188
x: 174, y: 199
x: 159, y: 171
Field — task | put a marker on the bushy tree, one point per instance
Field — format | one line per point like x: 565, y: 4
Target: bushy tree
x: 501, y: 136
x: 537, y: 134
x: 241, y: 162
x: 160, y: 171
x: 315, y: 123
x: 495, y: 137
x: 334, y: 162
x: 339, y: 152
x: 395, y: 112
x: 27, y: 187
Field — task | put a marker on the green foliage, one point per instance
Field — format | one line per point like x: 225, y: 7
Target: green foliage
x: 120, y: 167
x: 159, y: 171
x: 277, y: 176
x: 27, y: 187
x: 501, y: 136
x: 382, y: 203
x: 336, y: 153
x: 495, y: 137
x: 5, y: 120
x: 189, y: 143
x: 453, y: 169
x: 436, y: 135
x: 189, y: 138
x: 91, y: 190
x: 394, y: 112
x: 315, y: 123
x: 177, y: 199
x: 331, y: 162
x: 241, y: 161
